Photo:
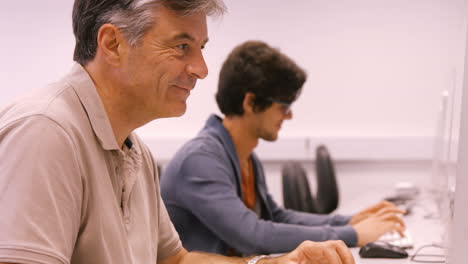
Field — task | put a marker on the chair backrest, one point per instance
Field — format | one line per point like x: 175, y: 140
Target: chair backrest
x: 327, y: 187
x: 296, y: 188
x: 296, y: 191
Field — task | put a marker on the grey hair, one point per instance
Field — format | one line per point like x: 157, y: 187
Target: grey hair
x: 133, y: 18
x: 139, y: 17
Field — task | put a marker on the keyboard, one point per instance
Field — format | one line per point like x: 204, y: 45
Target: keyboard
x: 395, y: 239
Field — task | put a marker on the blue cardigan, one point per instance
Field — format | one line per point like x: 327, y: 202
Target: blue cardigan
x: 202, y: 192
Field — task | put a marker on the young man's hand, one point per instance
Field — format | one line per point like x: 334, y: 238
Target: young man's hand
x: 373, y: 224
x: 372, y: 210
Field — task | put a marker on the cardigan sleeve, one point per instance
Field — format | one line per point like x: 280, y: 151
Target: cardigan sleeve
x: 207, y: 187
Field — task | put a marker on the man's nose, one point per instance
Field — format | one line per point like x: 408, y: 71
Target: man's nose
x: 197, y: 66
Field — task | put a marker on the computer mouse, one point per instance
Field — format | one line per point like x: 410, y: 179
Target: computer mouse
x: 381, y: 249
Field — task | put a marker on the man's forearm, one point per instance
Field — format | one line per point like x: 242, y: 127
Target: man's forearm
x: 206, y: 258
x: 332, y: 252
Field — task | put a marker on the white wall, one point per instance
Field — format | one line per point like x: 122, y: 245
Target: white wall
x: 36, y: 44
x: 376, y: 67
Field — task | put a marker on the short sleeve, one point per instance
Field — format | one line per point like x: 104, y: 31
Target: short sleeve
x: 169, y: 242
x: 40, y: 192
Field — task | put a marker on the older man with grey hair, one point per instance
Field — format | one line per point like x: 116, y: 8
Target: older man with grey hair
x: 76, y: 183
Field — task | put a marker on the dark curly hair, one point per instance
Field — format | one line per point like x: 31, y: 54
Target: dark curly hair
x: 256, y: 67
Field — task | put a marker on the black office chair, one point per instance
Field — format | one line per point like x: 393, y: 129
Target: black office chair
x: 296, y: 190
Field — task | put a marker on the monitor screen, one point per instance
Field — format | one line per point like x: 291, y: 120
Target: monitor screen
x: 457, y: 174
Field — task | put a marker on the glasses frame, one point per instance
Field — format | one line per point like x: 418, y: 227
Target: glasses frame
x: 285, y: 106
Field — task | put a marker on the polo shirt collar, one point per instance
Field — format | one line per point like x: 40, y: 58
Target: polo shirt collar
x: 84, y: 87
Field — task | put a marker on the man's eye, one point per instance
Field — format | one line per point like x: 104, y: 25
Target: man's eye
x: 183, y: 47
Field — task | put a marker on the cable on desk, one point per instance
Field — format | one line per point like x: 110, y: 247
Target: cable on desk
x: 439, y: 258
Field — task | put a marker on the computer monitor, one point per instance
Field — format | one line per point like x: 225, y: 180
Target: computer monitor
x: 456, y: 243
x: 458, y: 222
x: 445, y: 160
x: 445, y: 157
x: 440, y: 159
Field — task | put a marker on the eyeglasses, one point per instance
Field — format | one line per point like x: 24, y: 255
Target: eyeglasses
x: 285, y: 106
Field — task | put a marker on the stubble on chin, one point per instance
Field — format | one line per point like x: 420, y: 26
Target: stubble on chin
x: 270, y: 137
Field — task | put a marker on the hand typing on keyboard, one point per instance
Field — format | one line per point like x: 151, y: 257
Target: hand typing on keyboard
x: 394, y: 238
x: 373, y: 222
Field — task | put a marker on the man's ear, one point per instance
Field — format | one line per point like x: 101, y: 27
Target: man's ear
x: 111, y: 44
x: 249, y: 102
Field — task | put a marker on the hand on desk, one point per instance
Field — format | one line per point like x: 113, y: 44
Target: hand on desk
x: 373, y: 222
x: 372, y: 210
x: 329, y: 252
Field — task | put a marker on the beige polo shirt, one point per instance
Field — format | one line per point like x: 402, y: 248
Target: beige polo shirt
x: 68, y: 193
